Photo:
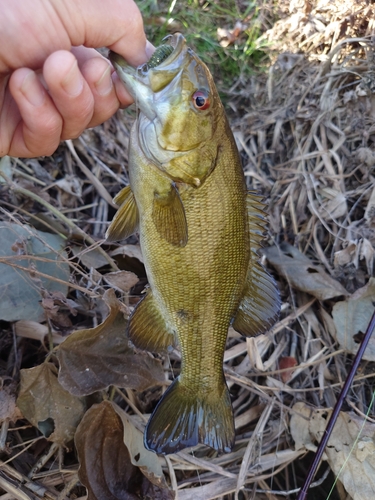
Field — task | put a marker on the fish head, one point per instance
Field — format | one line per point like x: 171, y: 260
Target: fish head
x: 179, y: 110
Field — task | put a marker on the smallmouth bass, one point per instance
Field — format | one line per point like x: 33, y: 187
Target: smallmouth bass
x: 199, y: 232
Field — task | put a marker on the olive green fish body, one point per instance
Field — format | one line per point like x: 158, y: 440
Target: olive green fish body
x: 198, y: 237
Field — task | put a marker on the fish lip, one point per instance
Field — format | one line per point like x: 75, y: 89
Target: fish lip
x: 136, y: 79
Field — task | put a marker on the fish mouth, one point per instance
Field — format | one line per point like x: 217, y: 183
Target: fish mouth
x: 144, y: 81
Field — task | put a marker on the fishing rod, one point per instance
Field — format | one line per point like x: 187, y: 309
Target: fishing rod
x: 328, y: 431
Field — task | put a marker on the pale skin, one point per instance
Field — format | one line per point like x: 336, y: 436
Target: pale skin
x: 53, y: 84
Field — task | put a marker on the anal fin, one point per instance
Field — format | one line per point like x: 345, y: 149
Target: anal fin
x: 168, y: 215
x: 125, y: 221
x: 147, y: 328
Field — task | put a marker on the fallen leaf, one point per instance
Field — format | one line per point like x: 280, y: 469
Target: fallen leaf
x: 334, y: 205
x: 92, y: 258
x: 36, y: 331
x: 46, y: 405
x: 91, y: 360
x: 299, y: 427
x: 287, y: 362
x: 147, y: 461
x: 122, y: 281
x: 21, y: 291
x: 8, y: 407
x: 132, y: 251
x: 301, y: 273
x: 367, y: 252
x: 352, y: 316
x: 106, y: 466
x: 350, y: 450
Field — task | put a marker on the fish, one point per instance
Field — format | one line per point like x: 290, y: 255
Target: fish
x: 200, y: 231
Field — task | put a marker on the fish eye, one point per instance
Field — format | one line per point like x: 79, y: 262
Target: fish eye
x: 201, y: 100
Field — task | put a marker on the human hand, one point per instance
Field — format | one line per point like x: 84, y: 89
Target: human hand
x: 52, y: 84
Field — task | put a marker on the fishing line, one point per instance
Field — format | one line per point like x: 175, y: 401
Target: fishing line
x: 354, y: 445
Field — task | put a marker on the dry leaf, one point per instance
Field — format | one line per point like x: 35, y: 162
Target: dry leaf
x: 335, y: 204
x: 132, y: 251
x: 91, y: 360
x: 92, y: 258
x: 45, y: 404
x: 122, y: 281
x: 36, y: 331
x: 301, y: 273
x: 350, y: 451
x: 8, y: 407
x: 106, y: 464
x: 147, y: 461
x: 21, y: 291
x: 352, y: 316
x: 299, y: 427
x: 287, y: 362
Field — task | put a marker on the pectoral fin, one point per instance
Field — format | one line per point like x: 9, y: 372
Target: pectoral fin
x: 260, y: 305
x: 125, y: 222
x: 147, y: 328
x: 168, y: 215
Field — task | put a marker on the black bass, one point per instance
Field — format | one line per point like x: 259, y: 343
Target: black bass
x: 199, y: 232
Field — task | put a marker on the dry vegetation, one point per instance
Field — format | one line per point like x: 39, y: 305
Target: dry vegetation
x: 306, y: 133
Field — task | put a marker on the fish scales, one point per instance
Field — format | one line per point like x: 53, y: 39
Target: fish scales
x: 199, y: 233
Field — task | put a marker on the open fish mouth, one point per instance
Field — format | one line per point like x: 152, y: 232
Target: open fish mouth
x: 166, y: 55
x: 146, y: 80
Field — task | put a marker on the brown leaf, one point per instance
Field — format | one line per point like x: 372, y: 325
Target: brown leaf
x: 147, y: 461
x: 46, y: 405
x: 352, y: 316
x: 8, y: 408
x: 121, y: 280
x: 287, y: 362
x: 91, y: 360
x: 106, y: 468
x: 301, y: 273
x: 350, y: 450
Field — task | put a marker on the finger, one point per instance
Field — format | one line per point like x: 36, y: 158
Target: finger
x: 116, y: 24
x: 69, y: 91
x: 35, y: 127
x: 96, y: 75
x: 97, y: 72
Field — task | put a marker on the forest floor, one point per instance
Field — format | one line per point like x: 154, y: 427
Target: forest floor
x: 304, y: 123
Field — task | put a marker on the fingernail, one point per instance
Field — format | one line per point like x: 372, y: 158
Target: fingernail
x: 73, y: 82
x: 32, y: 89
x: 150, y: 49
x: 104, y: 84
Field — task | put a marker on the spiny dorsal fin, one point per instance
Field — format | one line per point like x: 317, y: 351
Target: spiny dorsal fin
x: 168, y: 214
x: 125, y: 221
x: 147, y: 328
x: 260, y: 305
x: 257, y: 219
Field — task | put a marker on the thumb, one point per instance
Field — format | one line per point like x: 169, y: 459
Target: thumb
x: 116, y: 24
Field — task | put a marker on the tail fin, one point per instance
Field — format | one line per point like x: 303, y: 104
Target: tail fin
x: 182, y: 419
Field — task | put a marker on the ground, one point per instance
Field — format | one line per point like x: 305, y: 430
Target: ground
x: 301, y: 104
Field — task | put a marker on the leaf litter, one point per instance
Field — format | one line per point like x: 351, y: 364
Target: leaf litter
x: 305, y: 132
